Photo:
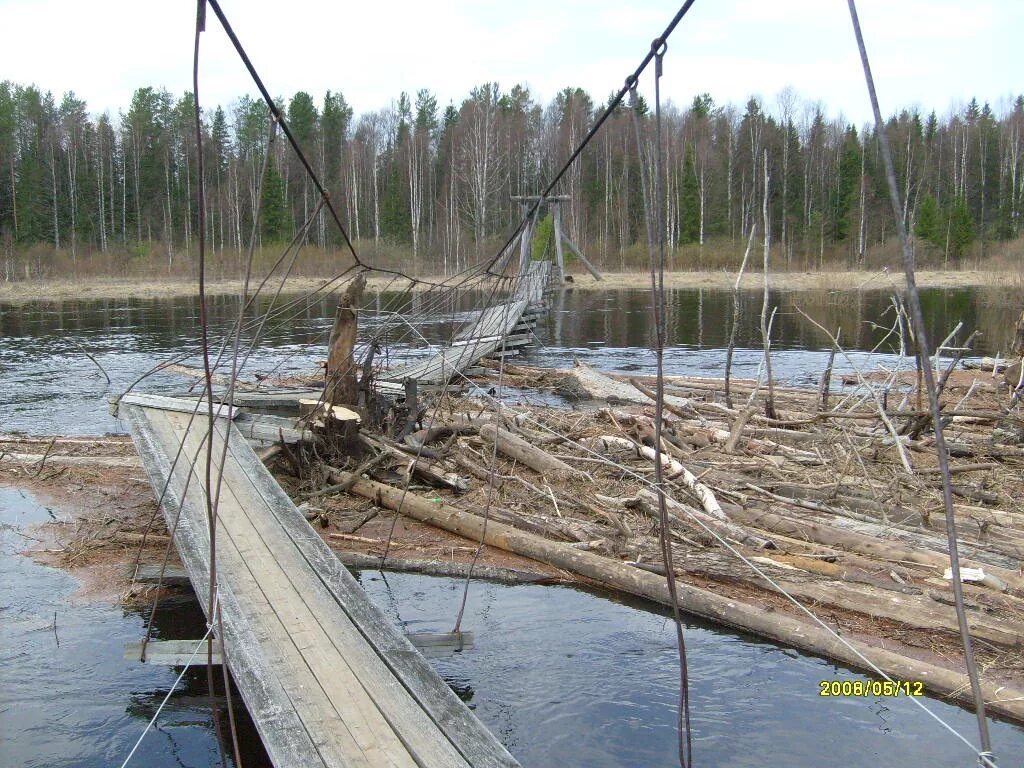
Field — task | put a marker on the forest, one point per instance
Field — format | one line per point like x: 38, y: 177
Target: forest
x: 430, y: 186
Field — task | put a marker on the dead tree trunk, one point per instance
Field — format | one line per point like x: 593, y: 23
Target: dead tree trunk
x: 341, y: 386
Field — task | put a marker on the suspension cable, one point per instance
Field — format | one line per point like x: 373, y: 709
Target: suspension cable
x: 986, y: 758
x: 657, y: 270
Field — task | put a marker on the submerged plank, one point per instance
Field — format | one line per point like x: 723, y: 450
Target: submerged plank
x: 175, y: 653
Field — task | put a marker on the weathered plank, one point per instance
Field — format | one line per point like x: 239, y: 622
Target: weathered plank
x: 283, y: 734
x: 174, y: 653
x: 492, y: 331
x: 177, y: 404
x: 362, y: 694
x: 473, y: 740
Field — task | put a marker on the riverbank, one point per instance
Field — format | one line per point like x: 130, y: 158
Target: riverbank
x: 147, y: 288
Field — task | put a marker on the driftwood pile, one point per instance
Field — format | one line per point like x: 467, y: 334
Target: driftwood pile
x: 837, y: 503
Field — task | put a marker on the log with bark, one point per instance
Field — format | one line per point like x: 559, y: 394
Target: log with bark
x: 757, y: 619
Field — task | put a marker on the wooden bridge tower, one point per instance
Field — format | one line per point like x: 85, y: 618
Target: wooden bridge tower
x: 553, y: 203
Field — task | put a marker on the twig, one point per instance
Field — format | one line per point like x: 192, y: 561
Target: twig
x: 736, y: 316
x: 94, y: 360
x: 42, y: 461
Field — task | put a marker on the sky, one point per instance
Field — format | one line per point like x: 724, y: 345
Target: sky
x: 930, y: 54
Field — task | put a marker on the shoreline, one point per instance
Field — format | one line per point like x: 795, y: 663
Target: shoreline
x: 155, y: 288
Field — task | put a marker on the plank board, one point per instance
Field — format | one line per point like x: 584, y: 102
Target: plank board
x: 483, y: 335
x: 175, y: 653
x: 328, y: 680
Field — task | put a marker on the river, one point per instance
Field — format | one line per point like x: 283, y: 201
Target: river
x: 564, y: 677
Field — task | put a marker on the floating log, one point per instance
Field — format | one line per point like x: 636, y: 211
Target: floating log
x: 853, y: 541
x: 694, y: 600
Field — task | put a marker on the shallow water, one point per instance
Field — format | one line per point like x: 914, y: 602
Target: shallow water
x: 564, y: 677
x: 67, y: 696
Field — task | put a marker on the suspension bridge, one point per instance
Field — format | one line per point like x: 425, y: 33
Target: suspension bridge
x: 326, y: 677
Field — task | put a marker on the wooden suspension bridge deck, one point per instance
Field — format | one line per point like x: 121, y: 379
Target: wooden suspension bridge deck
x: 496, y: 329
x: 326, y: 677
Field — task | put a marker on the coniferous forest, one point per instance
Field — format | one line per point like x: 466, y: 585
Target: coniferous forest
x: 430, y: 185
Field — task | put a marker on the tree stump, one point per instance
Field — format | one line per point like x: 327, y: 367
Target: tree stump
x: 341, y: 386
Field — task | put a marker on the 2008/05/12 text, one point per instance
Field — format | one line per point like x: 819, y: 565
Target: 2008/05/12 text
x: 871, y: 688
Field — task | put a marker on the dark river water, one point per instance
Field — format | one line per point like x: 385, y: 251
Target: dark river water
x: 563, y: 677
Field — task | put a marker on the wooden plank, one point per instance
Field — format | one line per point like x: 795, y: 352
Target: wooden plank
x: 174, y: 653
x: 320, y: 619
x: 70, y: 461
x: 470, y: 737
x: 177, y: 404
x: 276, y: 398
x: 149, y: 573
x: 350, y: 674
x: 338, y: 741
x: 283, y: 734
x: 423, y: 640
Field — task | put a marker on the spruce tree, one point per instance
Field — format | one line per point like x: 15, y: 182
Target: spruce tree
x: 274, y: 223
x: 961, y: 228
x: 689, y: 201
x: 928, y: 227
x: 845, y: 196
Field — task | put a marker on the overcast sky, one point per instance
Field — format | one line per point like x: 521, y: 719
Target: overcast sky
x: 935, y: 54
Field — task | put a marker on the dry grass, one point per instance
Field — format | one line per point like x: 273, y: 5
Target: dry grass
x: 150, y: 270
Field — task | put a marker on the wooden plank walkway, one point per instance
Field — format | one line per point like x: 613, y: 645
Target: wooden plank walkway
x: 326, y: 677
x: 483, y: 335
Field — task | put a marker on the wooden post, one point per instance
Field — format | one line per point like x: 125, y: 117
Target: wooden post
x: 579, y: 254
x: 556, y: 212
x: 341, y: 387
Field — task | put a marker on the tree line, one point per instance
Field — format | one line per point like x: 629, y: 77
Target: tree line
x: 436, y: 182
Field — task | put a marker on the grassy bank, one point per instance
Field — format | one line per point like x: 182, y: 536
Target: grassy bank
x: 152, y: 288
x: 43, y: 273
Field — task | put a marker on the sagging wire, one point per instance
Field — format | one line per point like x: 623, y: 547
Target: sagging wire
x: 211, y: 511
x: 626, y: 471
x: 985, y: 755
x: 657, y: 270
x: 490, y: 488
x: 405, y: 490
x: 609, y: 110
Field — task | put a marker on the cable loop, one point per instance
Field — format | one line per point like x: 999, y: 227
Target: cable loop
x: 658, y: 46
